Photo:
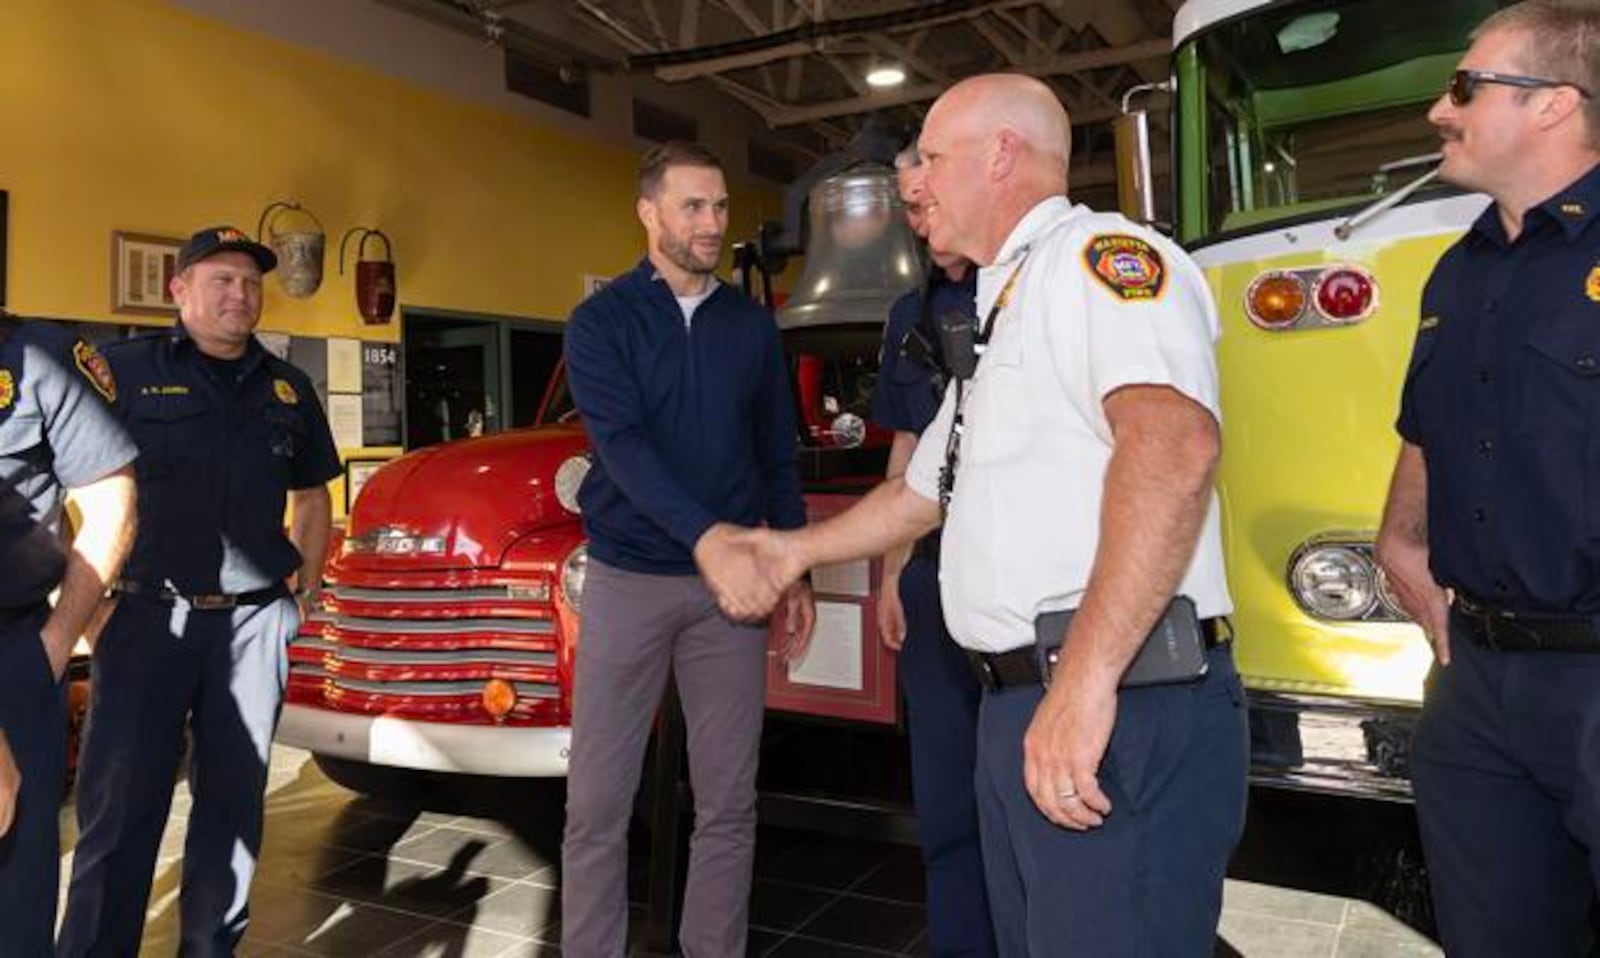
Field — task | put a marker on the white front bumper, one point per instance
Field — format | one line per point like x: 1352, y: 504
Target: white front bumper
x: 429, y: 746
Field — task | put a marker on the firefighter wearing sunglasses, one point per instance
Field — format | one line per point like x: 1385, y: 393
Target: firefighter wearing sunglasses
x: 1491, y: 534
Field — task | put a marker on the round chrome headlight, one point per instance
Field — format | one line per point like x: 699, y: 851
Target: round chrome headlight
x: 569, y: 478
x: 1334, y: 582
x: 1390, y: 601
x: 849, y: 429
x: 573, y: 570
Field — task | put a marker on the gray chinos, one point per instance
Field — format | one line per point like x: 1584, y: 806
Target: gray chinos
x: 635, y: 628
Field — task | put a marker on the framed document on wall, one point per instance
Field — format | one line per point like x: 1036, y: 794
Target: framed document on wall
x: 142, y: 267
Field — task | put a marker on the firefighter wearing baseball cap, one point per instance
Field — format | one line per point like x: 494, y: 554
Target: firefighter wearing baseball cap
x: 227, y: 434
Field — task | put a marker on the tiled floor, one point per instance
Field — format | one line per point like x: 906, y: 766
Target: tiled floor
x: 344, y: 875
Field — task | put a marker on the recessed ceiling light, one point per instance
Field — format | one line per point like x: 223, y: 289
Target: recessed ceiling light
x: 886, y: 76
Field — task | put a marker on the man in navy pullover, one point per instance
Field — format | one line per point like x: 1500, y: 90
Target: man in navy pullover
x: 683, y: 390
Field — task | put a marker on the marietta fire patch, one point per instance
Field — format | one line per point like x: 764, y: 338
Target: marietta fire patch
x: 8, y: 389
x: 285, y: 392
x: 1126, y: 265
x: 95, y: 369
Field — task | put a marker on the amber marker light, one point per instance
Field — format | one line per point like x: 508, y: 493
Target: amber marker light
x: 499, y: 697
x: 1275, y: 300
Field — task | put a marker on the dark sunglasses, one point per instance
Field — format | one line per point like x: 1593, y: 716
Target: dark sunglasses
x: 1464, y: 84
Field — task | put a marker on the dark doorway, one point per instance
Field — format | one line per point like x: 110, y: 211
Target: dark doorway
x: 472, y: 374
x: 534, y: 354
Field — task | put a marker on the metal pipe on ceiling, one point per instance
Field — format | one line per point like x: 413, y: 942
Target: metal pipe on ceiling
x: 798, y: 39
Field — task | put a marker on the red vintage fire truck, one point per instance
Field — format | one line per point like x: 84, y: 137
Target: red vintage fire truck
x: 451, y: 606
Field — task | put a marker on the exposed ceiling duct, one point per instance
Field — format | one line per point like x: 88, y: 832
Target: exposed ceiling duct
x: 807, y: 37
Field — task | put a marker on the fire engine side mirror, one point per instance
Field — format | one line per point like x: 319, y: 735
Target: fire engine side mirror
x: 1136, y: 191
x: 1136, y: 172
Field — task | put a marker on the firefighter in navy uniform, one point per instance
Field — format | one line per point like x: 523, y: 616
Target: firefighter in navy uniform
x: 941, y: 693
x: 226, y: 433
x: 1494, y: 496
x: 58, y: 431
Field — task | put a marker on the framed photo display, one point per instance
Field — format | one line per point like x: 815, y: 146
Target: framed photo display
x: 142, y: 268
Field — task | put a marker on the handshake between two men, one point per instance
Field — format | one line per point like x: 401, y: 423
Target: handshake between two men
x: 750, y: 571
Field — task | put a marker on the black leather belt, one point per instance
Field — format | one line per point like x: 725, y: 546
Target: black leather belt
x: 1018, y: 667
x: 1506, y: 631
x: 226, y: 600
x: 927, y: 547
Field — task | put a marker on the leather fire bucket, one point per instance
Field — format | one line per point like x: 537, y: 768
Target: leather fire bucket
x: 375, y: 284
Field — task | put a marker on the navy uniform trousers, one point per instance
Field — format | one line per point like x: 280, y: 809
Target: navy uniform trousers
x: 942, y: 697
x: 33, y: 711
x: 158, y: 666
x: 1148, y: 882
x: 1506, y: 769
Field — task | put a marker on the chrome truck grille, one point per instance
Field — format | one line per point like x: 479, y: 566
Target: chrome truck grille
x: 450, y: 651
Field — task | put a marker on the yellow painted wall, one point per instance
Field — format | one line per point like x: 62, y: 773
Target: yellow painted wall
x: 136, y: 115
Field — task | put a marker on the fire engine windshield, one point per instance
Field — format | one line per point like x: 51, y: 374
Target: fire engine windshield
x: 1307, y: 110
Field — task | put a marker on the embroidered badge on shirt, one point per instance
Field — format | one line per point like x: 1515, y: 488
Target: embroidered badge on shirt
x: 285, y: 392
x: 95, y: 369
x: 1591, y: 286
x: 8, y: 389
x: 1126, y: 265
x: 1428, y: 322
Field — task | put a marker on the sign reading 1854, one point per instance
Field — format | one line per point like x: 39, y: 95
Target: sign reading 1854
x: 380, y: 394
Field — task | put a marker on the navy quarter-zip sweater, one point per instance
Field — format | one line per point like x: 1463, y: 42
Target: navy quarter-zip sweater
x: 689, y: 426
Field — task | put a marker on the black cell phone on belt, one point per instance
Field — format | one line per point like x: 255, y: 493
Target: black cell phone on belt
x: 1174, y: 651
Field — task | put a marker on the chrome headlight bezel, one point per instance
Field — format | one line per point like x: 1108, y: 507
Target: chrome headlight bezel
x: 569, y: 479
x: 1335, y: 578
x: 574, y: 570
x: 849, y: 430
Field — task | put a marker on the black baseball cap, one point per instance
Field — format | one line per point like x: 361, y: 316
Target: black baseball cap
x: 224, y: 239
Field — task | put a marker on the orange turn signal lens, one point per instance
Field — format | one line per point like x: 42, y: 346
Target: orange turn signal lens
x: 1276, y: 300
x: 499, y: 697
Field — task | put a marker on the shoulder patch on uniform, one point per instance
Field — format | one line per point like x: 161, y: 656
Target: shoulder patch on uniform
x: 8, y: 389
x: 95, y: 369
x: 285, y: 392
x: 1591, y: 286
x: 1126, y: 265
x: 1428, y: 322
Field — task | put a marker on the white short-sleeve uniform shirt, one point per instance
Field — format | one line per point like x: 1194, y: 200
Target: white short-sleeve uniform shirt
x: 1098, y: 303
